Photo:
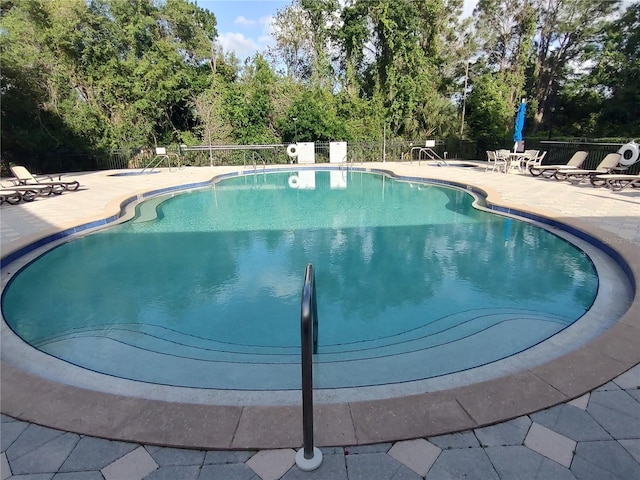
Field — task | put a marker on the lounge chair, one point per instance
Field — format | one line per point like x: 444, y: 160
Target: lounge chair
x: 577, y: 175
x: 12, y: 197
x: 35, y: 190
x: 617, y: 182
x: 14, y: 194
x: 24, y: 177
x: 548, y: 171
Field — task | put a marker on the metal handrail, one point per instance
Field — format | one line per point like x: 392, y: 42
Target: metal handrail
x: 309, y: 341
x: 309, y: 308
x: 309, y: 457
x: 426, y: 153
x: 162, y: 157
x: 255, y: 162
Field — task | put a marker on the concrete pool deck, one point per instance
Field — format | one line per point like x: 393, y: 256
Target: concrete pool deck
x: 614, y: 218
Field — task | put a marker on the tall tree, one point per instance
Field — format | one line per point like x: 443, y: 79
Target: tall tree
x: 322, y: 15
x: 118, y: 73
x: 303, y: 33
x: 490, y: 110
x: 505, y: 30
x: 566, y: 29
x: 614, y: 77
x: 393, y: 47
x: 214, y: 126
x: 249, y: 104
x: 291, y: 31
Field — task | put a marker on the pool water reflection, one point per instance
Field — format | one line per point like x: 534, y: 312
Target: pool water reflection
x: 202, y: 289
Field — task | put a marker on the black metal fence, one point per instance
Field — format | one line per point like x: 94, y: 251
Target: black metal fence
x: 558, y: 152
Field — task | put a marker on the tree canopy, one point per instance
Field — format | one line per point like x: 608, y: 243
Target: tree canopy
x: 104, y: 74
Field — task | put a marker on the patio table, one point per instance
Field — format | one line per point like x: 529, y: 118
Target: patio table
x: 516, y: 158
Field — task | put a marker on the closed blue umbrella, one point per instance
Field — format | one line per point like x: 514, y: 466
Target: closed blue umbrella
x: 519, y: 126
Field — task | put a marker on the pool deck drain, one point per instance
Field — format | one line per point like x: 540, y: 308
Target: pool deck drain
x: 613, y: 218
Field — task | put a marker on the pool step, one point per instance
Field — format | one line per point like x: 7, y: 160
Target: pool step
x: 185, y: 360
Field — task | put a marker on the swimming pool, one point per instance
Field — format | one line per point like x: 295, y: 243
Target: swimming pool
x: 413, y: 282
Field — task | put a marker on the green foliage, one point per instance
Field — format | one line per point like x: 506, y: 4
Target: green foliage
x: 364, y: 119
x: 489, y: 108
x: 402, y: 67
x: 29, y: 78
x: 107, y: 73
x: 249, y: 105
x: 616, y: 74
x: 101, y: 74
x: 293, y: 48
x: 505, y: 31
x: 604, y: 101
x: 316, y: 119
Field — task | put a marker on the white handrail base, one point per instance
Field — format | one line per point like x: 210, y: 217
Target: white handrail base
x: 309, y: 464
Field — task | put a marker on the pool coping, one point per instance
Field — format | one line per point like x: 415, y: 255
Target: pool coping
x: 40, y: 400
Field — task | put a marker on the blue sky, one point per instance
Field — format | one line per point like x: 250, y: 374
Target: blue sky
x: 244, y: 25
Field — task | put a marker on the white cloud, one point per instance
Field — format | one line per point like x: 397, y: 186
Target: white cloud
x: 244, y: 22
x: 267, y: 30
x: 267, y: 23
x: 257, y: 37
x: 236, y: 42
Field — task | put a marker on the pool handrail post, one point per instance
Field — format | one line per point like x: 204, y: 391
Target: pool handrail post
x: 309, y: 457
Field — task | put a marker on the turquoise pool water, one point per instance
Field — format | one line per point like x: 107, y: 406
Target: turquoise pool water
x: 202, y: 289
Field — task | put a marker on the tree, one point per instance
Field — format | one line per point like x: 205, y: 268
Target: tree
x: 31, y: 76
x: 291, y: 31
x: 250, y: 106
x: 322, y: 18
x: 566, y: 29
x: 614, y: 78
x: 490, y: 109
x: 115, y: 73
x: 102, y: 74
x: 316, y: 118
x: 364, y: 118
x: 505, y: 30
x: 393, y: 47
x: 303, y: 33
x: 214, y: 126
